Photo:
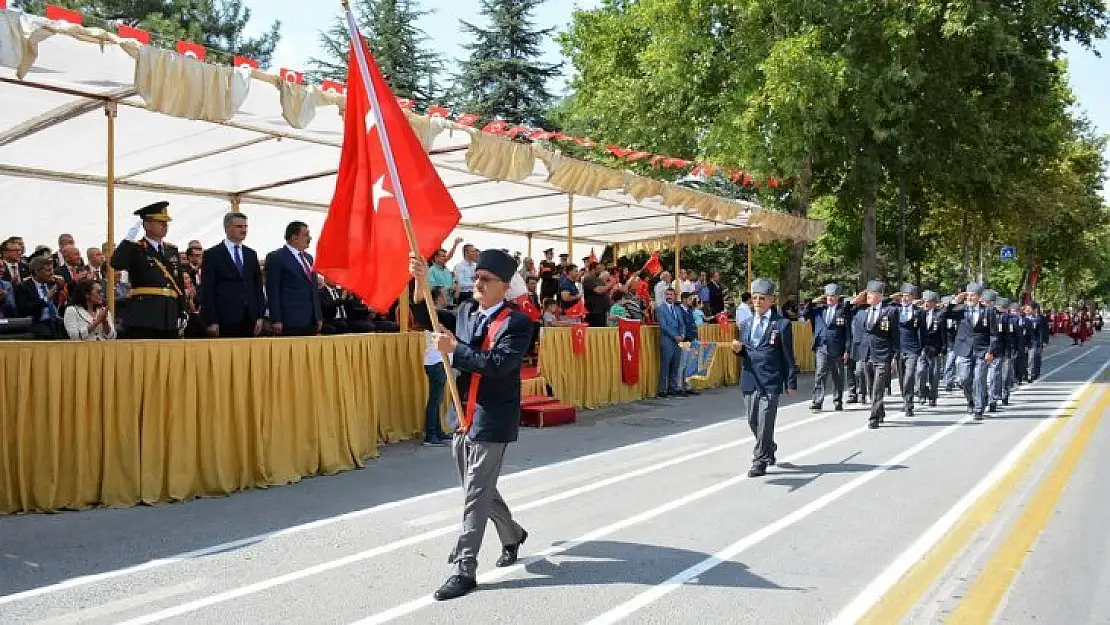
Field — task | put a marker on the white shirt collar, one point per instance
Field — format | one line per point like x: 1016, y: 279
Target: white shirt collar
x: 296, y: 253
x: 157, y: 244
x: 230, y: 245
x: 491, y: 311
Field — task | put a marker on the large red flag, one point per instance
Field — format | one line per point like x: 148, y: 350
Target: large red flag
x: 653, y: 265
x: 363, y: 245
x: 629, y: 331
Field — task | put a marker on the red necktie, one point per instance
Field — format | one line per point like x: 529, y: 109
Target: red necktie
x: 307, y: 268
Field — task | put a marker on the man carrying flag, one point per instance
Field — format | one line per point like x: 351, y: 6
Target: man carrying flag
x: 487, y: 345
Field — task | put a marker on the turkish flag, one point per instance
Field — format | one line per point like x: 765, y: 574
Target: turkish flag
x: 331, y: 86
x: 293, y: 76
x: 467, y: 119
x: 653, y: 266
x: 363, y: 245
x: 438, y: 111
x: 629, y: 331
x: 723, y: 320
x: 191, y: 50
x: 577, y: 311
x: 526, y: 306
x: 59, y: 14
x: 592, y: 256
x: 130, y: 32
x: 243, y: 62
x: 578, y: 338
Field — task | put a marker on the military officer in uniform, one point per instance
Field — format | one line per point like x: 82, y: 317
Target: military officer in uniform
x: 996, y: 371
x: 950, y: 326
x: 487, y: 346
x: 928, y: 365
x: 911, y: 342
x: 878, y: 345
x: 1042, y: 331
x: 976, y: 345
x: 156, y: 308
x: 766, y: 346
x: 832, y: 335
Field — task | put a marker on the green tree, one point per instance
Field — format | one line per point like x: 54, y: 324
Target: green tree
x: 216, y: 24
x: 399, y: 46
x: 503, y: 78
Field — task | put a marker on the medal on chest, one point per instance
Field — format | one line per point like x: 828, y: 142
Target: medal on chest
x: 774, y: 337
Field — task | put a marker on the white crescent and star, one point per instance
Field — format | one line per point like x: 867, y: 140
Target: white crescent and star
x: 380, y: 192
x: 628, y: 335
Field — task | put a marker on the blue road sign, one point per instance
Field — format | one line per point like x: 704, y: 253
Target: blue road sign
x: 1008, y: 253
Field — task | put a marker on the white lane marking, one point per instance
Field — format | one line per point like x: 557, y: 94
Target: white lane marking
x: 127, y: 604
x: 886, y: 580
x: 323, y: 567
x: 602, y: 532
x: 675, y: 582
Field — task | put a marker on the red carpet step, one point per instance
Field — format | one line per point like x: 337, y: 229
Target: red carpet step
x: 541, y: 411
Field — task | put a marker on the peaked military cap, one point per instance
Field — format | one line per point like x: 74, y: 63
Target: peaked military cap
x: 1003, y: 302
x: 989, y: 295
x: 763, y: 286
x: 974, y: 288
x: 909, y: 289
x: 930, y: 296
x: 155, y: 211
x: 947, y: 299
x: 549, y: 250
x: 832, y: 290
x: 498, y: 263
x: 876, y: 286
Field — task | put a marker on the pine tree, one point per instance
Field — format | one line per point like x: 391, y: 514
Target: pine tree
x: 216, y: 24
x: 503, y: 78
x: 398, y: 44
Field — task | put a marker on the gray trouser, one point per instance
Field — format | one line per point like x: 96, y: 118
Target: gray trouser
x: 762, y: 410
x: 670, y: 358
x: 996, y: 378
x: 828, y: 367
x: 865, y: 378
x: 950, y: 369
x: 479, y: 465
x: 879, y: 377
x: 908, y: 370
x: 1035, y: 361
x: 973, y: 379
x: 850, y: 377
x: 927, y: 374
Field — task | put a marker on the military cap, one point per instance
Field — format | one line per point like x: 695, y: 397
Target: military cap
x: 989, y: 295
x: 155, y: 211
x: 947, y: 299
x: 549, y: 250
x: 876, y: 286
x: 763, y: 286
x: 498, y: 263
x: 1015, y: 305
x: 1035, y: 305
x: 909, y: 289
x: 930, y: 296
x: 1003, y: 302
x: 974, y: 288
x: 832, y: 290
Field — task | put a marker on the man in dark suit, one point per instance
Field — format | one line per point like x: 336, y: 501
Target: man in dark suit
x: 40, y: 297
x: 766, y: 346
x: 932, y: 347
x: 156, y: 308
x: 832, y: 337
x: 487, y: 347
x: 1040, y: 335
x: 231, y: 296
x: 878, y: 345
x: 911, y: 342
x: 12, y: 267
x: 672, y: 331
x: 292, y: 288
x: 690, y: 337
x: 976, y: 345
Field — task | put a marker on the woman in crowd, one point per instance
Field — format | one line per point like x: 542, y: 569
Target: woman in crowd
x: 87, y: 318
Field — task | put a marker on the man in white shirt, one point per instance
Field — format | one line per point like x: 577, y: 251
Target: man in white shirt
x: 464, y: 273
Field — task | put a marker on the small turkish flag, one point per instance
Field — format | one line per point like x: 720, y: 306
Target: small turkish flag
x: 629, y: 331
x: 57, y: 13
x: 578, y: 338
x: 190, y: 50
x: 577, y: 311
x: 467, y: 119
x: 526, y: 306
x: 243, y: 62
x: 723, y: 320
x: 439, y: 111
x: 496, y: 127
x: 593, y: 256
x: 363, y: 245
x: 331, y: 86
x: 653, y: 266
x: 130, y: 32
x: 405, y: 103
x: 293, y: 76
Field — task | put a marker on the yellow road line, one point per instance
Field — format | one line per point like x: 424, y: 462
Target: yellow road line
x: 982, y: 600
x: 897, y: 602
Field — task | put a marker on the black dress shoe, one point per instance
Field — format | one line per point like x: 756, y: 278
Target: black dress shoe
x: 758, y: 470
x: 978, y: 416
x: 509, y: 552
x: 838, y: 407
x: 873, y: 424
x: 455, y: 587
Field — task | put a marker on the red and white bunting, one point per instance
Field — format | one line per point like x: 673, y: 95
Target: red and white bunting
x: 292, y: 76
x: 130, y: 32
x: 191, y: 50
x: 467, y: 119
x: 496, y: 127
x: 438, y: 111
x: 406, y: 103
x: 331, y: 86
x: 57, y: 13
x: 243, y: 62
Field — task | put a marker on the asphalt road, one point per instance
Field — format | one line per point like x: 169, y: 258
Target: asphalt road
x: 642, y: 514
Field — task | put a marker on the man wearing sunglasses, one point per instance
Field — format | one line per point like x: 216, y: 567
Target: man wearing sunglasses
x: 766, y: 348
x: 486, y: 344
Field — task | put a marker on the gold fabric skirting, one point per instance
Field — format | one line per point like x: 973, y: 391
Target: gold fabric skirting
x: 126, y: 422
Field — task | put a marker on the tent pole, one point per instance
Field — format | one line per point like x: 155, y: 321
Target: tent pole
x: 234, y: 204
x: 749, y: 255
x: 529, y: 245
x: 570, y: 228
x: 110, y: 112
x: 677, y: 254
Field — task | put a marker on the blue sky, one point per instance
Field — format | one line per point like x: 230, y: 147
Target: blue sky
x: 1090, y: 76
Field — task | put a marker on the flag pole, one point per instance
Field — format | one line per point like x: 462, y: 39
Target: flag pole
x: 399, y: 193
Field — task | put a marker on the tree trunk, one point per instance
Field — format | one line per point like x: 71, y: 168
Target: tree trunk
x: 967, y: 250
x: 790, y: 277
x: 870, y: 252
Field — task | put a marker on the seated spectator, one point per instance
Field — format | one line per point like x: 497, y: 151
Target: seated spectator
x: 699, y: 312
x: 41, y: 298
x: 617, y: 311
x: 553, y: 316
x: 87, y: 317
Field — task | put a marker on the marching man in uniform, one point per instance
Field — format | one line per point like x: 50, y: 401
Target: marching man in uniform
x: 832, y: 338
x: 487, y: 346
x: 156, y: 308
x: 766, y: 346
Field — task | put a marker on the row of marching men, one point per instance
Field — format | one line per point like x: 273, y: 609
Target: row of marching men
x: 983, y: 343
x: 977, y: 340
x: 1077, y: 322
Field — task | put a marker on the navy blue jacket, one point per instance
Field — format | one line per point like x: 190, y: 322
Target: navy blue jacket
x: 768, y: 365
x: 293, y: 295
x: 691, y: 326
x: 975, y: 340
x: 1041, y: 331
x: 835, y: 339
x: 227, y: 296
x: 936, y: 330
x: 672, y: 327
x: 878, y: 341
x: 497, y: 408
x: 911, y: 331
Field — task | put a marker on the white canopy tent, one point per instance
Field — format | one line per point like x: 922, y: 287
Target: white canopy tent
x: 271, y: 148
